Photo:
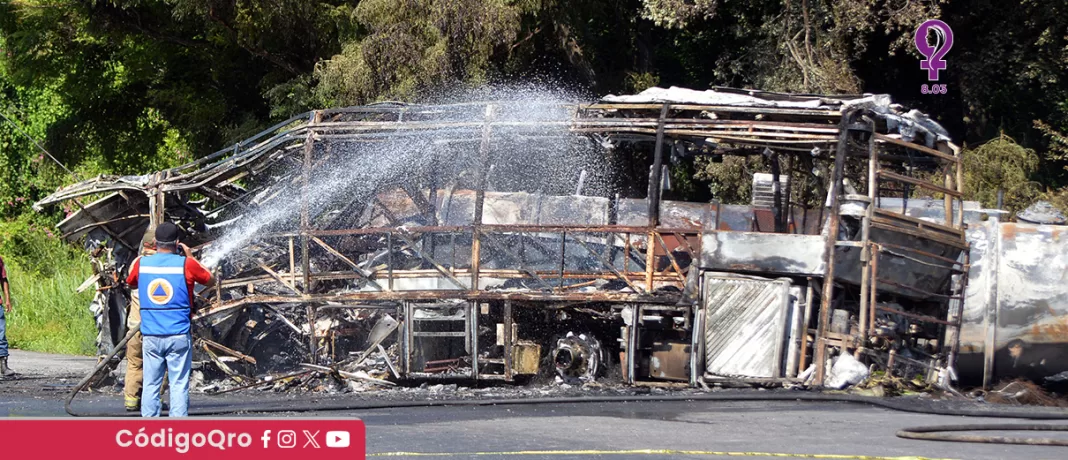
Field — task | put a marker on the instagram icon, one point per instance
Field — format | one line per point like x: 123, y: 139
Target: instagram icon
x: 287, y: 439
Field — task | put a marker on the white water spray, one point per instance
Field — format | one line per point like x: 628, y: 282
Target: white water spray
x: 548, y: 160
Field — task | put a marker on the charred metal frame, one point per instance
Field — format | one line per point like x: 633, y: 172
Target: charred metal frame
x: 734, y: 129
x: 952, y: 234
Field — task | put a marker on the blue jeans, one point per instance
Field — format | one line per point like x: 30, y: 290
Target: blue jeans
x: 172, y: 354
x: 3, y: 333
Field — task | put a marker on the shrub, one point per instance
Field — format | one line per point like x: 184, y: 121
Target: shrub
x: 44, y: 273
x: 36, y: 247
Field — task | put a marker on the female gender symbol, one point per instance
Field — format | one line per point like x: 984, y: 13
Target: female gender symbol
x: 934, y: 54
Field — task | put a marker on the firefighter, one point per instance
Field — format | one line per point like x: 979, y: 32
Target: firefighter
x: 134, y: 363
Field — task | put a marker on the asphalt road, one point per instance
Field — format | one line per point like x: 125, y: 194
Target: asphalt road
x: 33, y: 364
x: 669, y: 430
x: 642, y: 430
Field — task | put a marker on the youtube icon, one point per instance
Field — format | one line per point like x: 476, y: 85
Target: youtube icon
x: 337, y: 439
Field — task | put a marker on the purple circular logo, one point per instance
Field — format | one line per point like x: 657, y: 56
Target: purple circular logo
x: 943, y: 42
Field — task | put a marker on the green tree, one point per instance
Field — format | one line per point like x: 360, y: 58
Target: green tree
x: 1001, y: 164
x: 1058, y: 155
x: 414, y: 45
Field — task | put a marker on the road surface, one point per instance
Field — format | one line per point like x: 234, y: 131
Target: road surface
x: 642, y: 430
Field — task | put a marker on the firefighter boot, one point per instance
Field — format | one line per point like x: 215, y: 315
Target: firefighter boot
x: 6, y: 372
x: 132, y: 404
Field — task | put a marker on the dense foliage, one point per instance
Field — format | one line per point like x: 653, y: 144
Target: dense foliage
x: 128, y: 86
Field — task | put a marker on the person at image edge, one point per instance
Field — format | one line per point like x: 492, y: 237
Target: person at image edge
x: 165, y: 283
x: 5, y: 298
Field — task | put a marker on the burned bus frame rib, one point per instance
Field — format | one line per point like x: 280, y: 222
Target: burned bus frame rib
x: 845, y: 132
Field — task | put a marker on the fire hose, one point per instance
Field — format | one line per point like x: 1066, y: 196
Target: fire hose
x: 927, y: 433
x: 120, y: 348
x: 940, y: 433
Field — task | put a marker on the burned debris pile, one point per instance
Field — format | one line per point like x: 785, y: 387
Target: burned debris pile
x: 520, y: 240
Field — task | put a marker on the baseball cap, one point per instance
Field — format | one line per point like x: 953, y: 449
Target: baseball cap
x: 166, y: 233
x: 149, y: 236
x: 148, y: 241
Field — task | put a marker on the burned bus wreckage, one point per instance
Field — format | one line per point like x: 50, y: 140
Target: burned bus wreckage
x: 506, y: 239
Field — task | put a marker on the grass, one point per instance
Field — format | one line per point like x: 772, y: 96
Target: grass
x: 49, y: 316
